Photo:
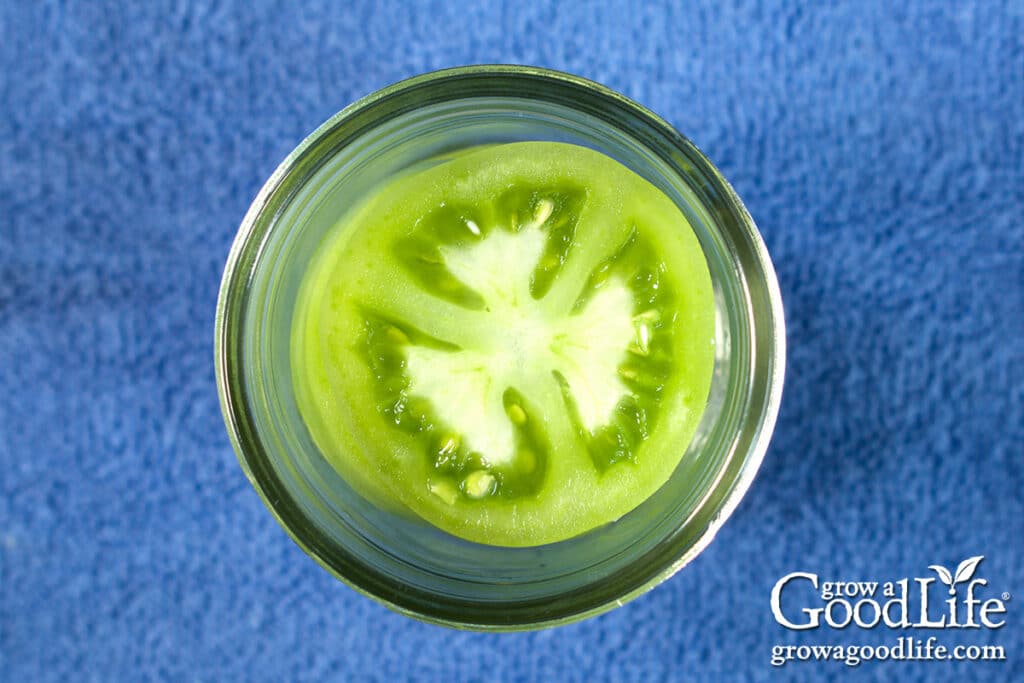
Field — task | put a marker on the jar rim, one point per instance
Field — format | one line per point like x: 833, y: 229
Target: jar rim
x: 736, y: 474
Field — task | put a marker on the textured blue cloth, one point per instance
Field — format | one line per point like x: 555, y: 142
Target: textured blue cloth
x: 879, y: 145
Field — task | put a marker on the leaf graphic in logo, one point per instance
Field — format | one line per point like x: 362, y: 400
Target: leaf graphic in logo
x: 944, y: 576
x: 967, y: 568
x: 964, y: 571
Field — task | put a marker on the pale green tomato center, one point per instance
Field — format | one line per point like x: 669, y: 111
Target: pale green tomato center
x: 466, y: 387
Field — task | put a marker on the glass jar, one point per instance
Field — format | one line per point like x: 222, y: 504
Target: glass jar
x: 397, y: 559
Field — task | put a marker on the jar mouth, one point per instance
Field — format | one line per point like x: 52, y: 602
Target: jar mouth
x: 369, y: 550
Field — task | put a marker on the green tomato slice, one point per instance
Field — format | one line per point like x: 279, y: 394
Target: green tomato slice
x: 515, y: 344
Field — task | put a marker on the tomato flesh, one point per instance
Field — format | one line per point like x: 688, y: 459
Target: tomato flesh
x: 515, y: 344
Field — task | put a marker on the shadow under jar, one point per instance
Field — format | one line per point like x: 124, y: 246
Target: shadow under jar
x: 396, y: 557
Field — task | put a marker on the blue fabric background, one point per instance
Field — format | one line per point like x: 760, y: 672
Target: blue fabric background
x: 880, y: 147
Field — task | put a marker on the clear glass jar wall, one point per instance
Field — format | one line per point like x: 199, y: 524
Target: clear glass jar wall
x: 402, y: 561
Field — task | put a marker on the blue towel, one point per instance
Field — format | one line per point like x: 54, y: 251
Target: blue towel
x: 879, y: 146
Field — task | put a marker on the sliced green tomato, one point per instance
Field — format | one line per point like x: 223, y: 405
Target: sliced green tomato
x: 515, y: 344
